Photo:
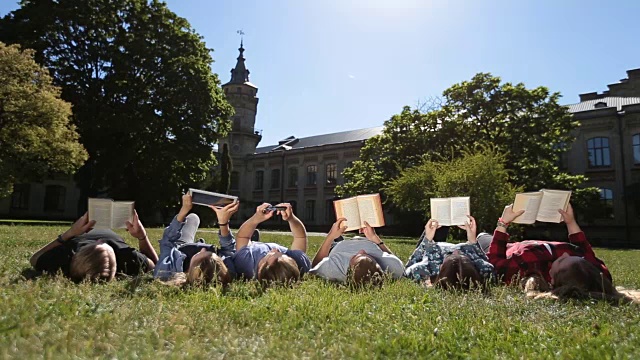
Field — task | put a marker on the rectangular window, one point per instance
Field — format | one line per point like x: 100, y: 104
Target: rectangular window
x: 312, y: 172
x: 599, y: 154
x: 310, y: 210
x: 54, y: 197
x: 635, y: 140
x: 259, y: 180
x: 275, y: 178
x: 20, y: 197
x: 329, y: 212
x: 235, y: 180
x: 293, y: 177
x: 331, y: 174
x: 606, y: 198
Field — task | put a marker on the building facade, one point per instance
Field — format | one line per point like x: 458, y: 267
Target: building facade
x: 607, y: 151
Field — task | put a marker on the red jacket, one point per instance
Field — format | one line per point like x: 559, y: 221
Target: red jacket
x: 536, y: 256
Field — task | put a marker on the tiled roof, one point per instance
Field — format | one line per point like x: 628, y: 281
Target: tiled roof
x: 326, y: 139
x: 611, y: 101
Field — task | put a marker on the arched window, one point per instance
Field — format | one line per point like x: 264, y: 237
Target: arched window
x: 635, y: 141
x: 599, y: 153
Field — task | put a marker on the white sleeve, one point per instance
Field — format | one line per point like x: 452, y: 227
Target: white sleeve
x: 328, y: 270
x: 392, y: 264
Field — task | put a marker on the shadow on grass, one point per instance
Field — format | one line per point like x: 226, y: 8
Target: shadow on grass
x: 27, y: 274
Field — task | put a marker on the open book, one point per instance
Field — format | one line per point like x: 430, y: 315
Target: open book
x: 541, y: 205
x: 359, y: 209
x: 450, y: 211
x: 110, y: 214
x: 206, y: 198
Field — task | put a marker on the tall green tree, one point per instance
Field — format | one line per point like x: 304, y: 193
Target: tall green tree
x: 36, y: 136
x: 529, y: 126
x: 146, y: 104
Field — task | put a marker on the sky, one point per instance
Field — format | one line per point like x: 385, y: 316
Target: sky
x: 336, y: 65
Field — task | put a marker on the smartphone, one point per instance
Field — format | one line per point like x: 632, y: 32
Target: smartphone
x: 274, y: 208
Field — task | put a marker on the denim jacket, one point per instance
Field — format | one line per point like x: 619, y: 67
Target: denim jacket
x: 171, y: 259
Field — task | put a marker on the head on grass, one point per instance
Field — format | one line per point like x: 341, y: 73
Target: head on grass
x: 277, y: 268
x: 573, y: 276
x: 364, y: 270
x: 94, y: 262
x: 458, y: 272
x: 207, y: 267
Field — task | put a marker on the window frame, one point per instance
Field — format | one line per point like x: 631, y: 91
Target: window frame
x: 258, y: 185
x: 309, y: 176
x: 598, y: 151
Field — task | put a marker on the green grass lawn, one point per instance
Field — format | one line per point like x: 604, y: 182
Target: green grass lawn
x: 54, y: 318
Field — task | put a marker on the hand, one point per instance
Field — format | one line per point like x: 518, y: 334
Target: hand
x: 337, y: 229
x: 81, y: 226
x: 286, y: 214
x: 260, y: 215
x: 509, y: 215
x: 135, y: 228
x: 187, y: 202
x: 370, y: 233
x: 224, y: 213
x: 430, y: 228
x: 471, y: 228
x: 567, y: 216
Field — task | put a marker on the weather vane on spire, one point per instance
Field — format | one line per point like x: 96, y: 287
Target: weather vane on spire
x: 241, y: 33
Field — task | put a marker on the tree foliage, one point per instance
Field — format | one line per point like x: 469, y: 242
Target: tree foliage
x: 480, y: 174
x: 36, y: 136
x: 146, y: 104
x: 528, y: 126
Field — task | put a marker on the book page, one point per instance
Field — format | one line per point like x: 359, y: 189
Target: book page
x: 206, y: 198
x: 121, y: 212
x: 370, y: 207
x: 529, y: 202
x: 348, y: 208
x: 441, y: 210
x: 100, y: 211
x: 459, y: 210
x: 552, y: 200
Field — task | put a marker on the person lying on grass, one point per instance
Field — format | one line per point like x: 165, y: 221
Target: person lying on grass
x: 269, y: 262
x: 460, y: 266
x: 183, y: 261
x: 360, y: 261
x: 573, y: 277
x: 535, y: 258
x: 84, y: 253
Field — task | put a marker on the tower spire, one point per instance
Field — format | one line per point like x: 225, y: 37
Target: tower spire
x: 240, y: 74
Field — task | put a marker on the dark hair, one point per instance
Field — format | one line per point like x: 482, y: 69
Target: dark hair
x: 583, y: 280
x: 365, y: 271
x: 459, y: 273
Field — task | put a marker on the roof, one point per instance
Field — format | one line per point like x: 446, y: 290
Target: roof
x: 325, y: 139
x: 608, y: 102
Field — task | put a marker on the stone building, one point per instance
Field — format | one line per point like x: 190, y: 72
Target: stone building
x: 607, y: 151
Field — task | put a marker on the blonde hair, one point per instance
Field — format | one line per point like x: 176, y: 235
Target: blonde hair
x: 366, y: 270
x: 202, y: 272
x: 96, y: 261
x: 283, y: 270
